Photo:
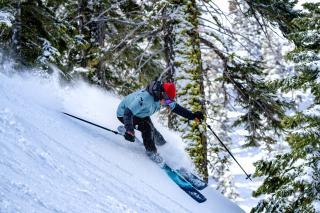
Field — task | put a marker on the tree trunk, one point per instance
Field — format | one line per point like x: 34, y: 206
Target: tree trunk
x: 189, y: 80
x: 169, y: 58
x: 101, y: 31
x: 82, y: 4
x: 17, y: 30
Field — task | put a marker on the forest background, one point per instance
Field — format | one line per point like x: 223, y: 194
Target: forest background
x: 252, y: 69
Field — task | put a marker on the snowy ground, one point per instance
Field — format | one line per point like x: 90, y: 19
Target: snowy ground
x: 52, y: 163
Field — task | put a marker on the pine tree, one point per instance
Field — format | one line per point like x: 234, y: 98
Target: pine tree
x: 189, y: 79
x: 253, y: 42
x: 278, y: 12
x: 219, y: 161
x: 239, y: 80
x: 248, y: 88
x: 103, y: 41
x: 247, y: 32
x: 37, y: 36
x: 131, y: 34
x: 43, y: 37
x: 10, y: 26
x: 292, y: 179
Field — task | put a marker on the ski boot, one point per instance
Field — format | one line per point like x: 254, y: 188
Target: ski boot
x: 155, y: 157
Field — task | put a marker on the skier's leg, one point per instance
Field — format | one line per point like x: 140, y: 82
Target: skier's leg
x: 146, y: 128
x: 156, y: 135
x: 120, y: 119
x: 158, y: 138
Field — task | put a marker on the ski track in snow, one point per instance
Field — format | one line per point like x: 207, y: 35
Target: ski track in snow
x: 52, y: 163
x: 40, y: 155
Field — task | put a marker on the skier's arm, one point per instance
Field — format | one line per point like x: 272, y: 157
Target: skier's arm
x: 134, y: 107
x: 183, y: 112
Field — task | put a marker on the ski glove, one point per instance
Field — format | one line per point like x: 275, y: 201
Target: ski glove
x: 198, y: 115
x: 129, y: 136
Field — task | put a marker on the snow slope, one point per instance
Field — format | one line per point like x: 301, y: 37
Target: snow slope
x: 52, y: 163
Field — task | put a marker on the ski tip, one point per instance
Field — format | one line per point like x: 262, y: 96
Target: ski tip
x: 204, y: 200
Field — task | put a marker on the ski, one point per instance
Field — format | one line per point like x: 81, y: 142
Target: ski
x: 187, y: 181
x: 196, y: 182
x: 184, y: 184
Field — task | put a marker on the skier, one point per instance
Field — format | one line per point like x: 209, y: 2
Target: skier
x: 136, y: 108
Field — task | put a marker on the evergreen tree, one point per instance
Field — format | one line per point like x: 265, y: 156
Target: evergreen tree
x: 277, y: 12
x: 219, y: 161
x: 247, y: 32
x: 44, y: 37
x: 249, y: 90
x: 236, y: 75
x: 131, y: 34
x: 37, y: 36
x: 169, y: 56
x: 189, y: 79
x: 292, y: 179
x: 253, y: 42
x: 140, y: 47
x: 103, y: 41
x: 10, y: 25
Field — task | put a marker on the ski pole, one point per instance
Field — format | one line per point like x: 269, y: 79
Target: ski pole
x: 248, y: 175
x: 102, y: 127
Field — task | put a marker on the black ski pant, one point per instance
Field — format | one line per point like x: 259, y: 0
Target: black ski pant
x: 150, y: 134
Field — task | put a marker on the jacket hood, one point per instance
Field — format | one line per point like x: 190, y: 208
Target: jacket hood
x: 155, y: 88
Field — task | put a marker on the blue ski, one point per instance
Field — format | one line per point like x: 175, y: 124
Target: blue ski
x: 196, y: 182
x: 184, y: 184
x: 185, y: 180
x: 174, y: 175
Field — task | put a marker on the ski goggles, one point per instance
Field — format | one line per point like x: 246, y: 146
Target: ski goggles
x: 167, y: 99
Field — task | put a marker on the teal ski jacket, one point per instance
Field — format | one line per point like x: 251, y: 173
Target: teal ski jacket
x: 141, y: 103
x: 144, y: 103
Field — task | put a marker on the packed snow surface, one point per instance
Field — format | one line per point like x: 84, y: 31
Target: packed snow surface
x: 52, y: 163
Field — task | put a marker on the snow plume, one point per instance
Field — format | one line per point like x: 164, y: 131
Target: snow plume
x: 52, y: 163
x: 84, y: 100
